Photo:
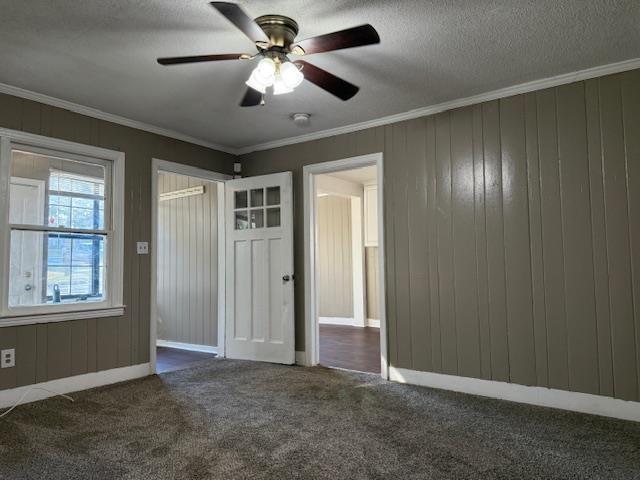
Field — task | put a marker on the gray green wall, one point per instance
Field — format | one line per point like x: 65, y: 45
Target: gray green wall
x: 512, y: 235
x: 187, y: 262
x: 55, y: 350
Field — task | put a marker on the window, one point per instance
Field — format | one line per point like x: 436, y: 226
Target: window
x: 64, y: 237
x: 75, y: 261
x: 255, y: 216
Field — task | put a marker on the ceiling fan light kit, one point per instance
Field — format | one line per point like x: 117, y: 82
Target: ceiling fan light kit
x: 274, y: 37
x: 270, y: 72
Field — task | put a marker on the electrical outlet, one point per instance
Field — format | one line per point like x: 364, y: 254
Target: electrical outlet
x: 8, y: 358
x: 142, y: 248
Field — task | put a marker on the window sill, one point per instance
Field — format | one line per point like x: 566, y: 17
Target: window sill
x: 12, y: 321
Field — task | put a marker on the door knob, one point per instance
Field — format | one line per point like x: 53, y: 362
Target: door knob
x: 28, y: 287
x: 286, y: 278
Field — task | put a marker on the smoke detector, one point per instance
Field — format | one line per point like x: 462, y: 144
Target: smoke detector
x: 301, y: 119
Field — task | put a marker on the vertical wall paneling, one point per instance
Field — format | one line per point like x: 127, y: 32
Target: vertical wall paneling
x: 187, y: 262
x: 625, y: 379
x: 513, y: 235
x: 335, y: 272
x: 401, y: 227
x: 579, y: 277
x: 484, y: 329
x: 598, y: 235
x: 535, y: 233
x: 435, y: 337
x: 390, y: 189
x: 495, y: 242
x: 464, y: 243
x: 48, y: 351
x: 630, y: 90
x: 417, y: 232
x: 553, y: 247
x: 516, y: 242
x: 372, y: 283
x: 445, y: 250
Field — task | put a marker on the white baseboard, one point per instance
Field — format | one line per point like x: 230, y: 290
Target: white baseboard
x: 545, y: 397
x: 339, y: 321
x: 187, y: 346
x: 373, y: 322
x: 73, y: 384
x: 301, y: 359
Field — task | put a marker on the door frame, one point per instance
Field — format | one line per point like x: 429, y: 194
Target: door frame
x: 309, y: 172
x: 158, y: 166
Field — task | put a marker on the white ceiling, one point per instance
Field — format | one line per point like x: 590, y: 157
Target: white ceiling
x: 101, y: 54
x: 363, y: 175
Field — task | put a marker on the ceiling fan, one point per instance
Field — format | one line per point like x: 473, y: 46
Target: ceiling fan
x: 274, y: 37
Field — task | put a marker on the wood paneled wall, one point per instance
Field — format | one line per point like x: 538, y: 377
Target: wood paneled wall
x: 372, y: 272
x: 188, y: 262
x: 512, y: 235
x: 335, y: 266
x: 49, y: 351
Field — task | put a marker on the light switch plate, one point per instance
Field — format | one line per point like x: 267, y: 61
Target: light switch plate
x: 8, y: 358
x: 142, y: 248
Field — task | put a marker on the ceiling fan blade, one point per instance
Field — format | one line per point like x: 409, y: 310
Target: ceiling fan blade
x: 240, y: 19
x: 251, y: 98
x: 328, y: 81
x: 349, y: 38
x: 200, y: 58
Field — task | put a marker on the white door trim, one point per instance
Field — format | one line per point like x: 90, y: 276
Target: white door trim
x: 310, y: 243
x: 158, y: 166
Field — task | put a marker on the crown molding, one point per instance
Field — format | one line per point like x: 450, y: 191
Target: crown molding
x: 449, y: 105
x: 109, y: 117
x: 534, y: 85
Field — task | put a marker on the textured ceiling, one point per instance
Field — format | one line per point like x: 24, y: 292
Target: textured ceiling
x: 101, y: 54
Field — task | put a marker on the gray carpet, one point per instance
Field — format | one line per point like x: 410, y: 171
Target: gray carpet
x: 230, y: 419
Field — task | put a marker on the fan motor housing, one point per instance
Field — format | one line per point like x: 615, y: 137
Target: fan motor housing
x: 281, y: 30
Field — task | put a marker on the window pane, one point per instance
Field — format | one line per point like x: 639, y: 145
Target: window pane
x: 257, y: 218
x: 48, y: 268
x: 83, y: 218
x: 58, y: 216
x: 242, y: 220
x: 273, y: 196
x: 257, y: 197
x: 241, y: 199
x: 273, y: 217
x: 56, y: 192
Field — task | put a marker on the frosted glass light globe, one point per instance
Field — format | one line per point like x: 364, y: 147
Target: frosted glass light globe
x: 266, y: 68
x: 279, y: 87
x: 255, y: 83
x: 291, y: 76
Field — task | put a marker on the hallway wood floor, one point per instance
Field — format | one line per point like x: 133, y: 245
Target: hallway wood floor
x: 353, y: 348
x: 170, y: 359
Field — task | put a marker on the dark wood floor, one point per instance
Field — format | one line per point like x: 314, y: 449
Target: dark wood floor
x: 170, y: 359
x: 354, y: 348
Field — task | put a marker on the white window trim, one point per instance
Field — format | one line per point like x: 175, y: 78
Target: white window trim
x: 56, y: 313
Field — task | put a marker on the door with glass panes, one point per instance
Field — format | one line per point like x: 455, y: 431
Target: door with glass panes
x: 259, y: 269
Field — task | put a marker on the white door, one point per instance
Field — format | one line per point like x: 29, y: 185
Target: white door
x: 259, y: 286
x: 26, y: 206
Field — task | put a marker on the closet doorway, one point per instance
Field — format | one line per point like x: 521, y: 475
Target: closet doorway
x: 188, y: 266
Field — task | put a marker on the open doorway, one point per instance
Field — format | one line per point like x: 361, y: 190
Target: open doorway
x: 344, y: 282
x: 187, y: 265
